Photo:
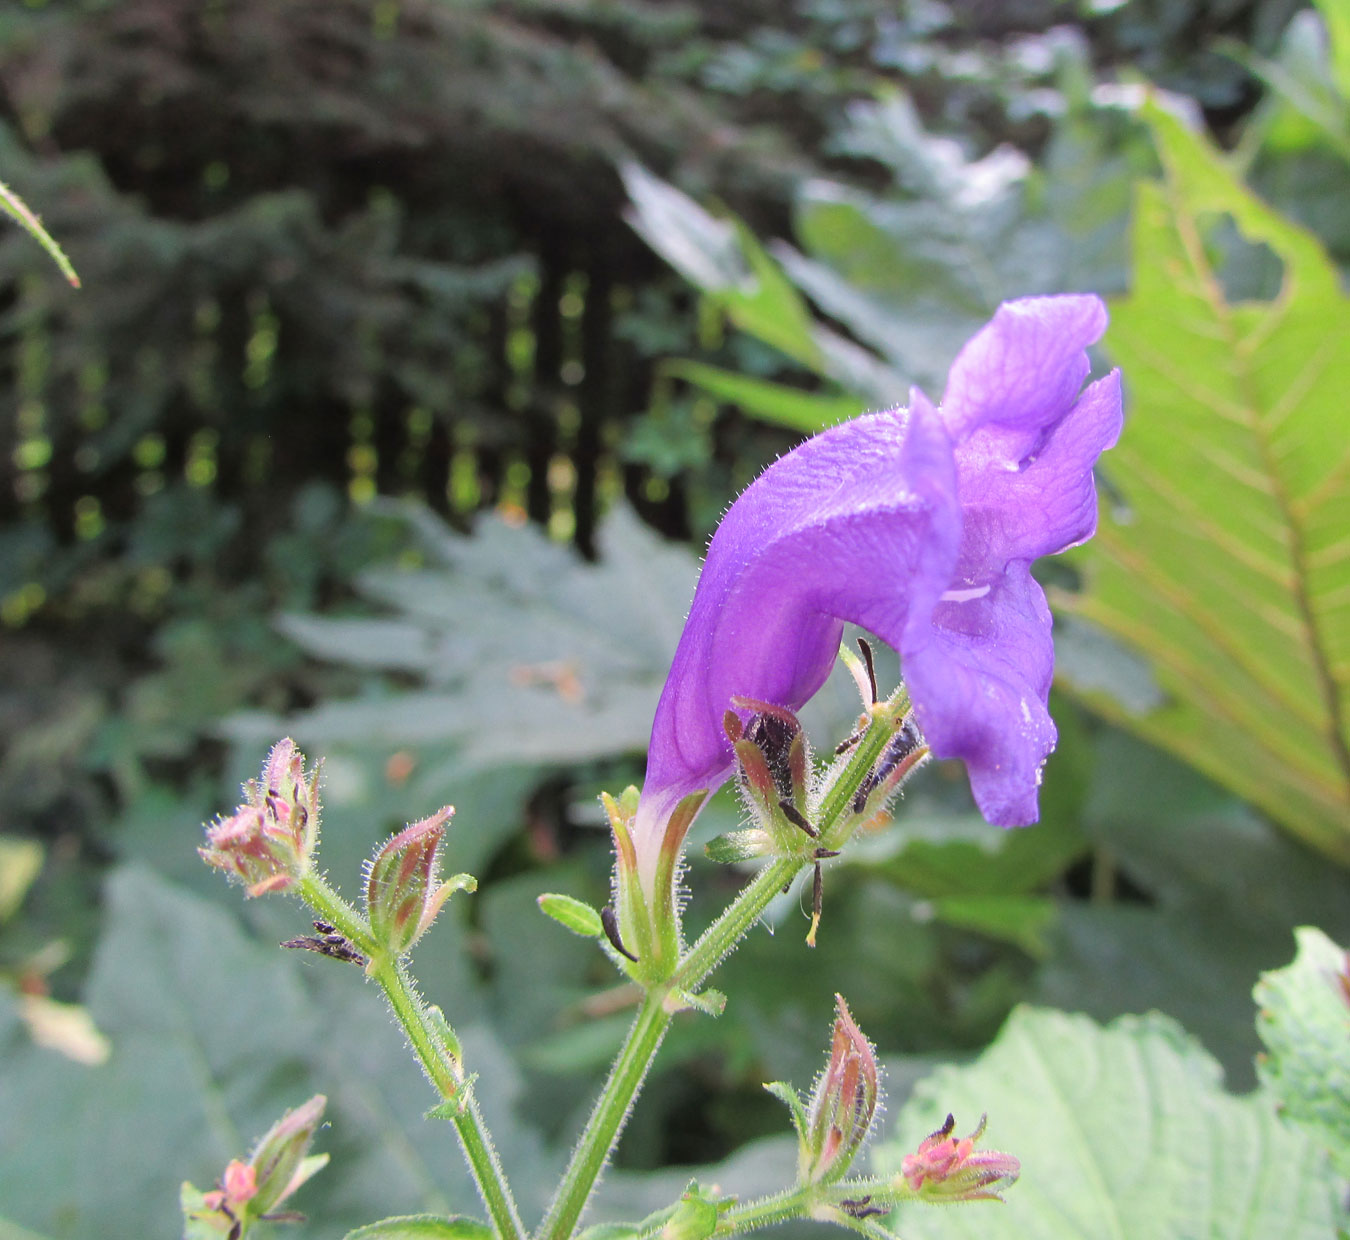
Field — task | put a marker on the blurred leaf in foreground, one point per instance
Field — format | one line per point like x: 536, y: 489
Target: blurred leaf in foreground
x: 1305, y: 1023
x: 211, y: 1031
x: 1227, y: 559
x: 1121, y: 1131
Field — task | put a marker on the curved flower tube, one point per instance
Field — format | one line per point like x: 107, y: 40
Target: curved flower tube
x: 919, y: 525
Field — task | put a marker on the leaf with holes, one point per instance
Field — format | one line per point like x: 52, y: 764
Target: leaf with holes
x: 1227, y: 559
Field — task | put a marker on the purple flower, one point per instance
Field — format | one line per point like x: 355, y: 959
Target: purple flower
x: 919, y: 525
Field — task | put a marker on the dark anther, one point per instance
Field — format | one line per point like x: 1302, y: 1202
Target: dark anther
x: 301, y: 816
x: 848, y: 742
x: 824, y: 854
x: 861, y: 1207
x: 325, y: 927
x: 774, y: 736
x: 795, y: 817
x: 898, y: 748
x: 865, y: 647
x: 787, y: 886
x: 329, y: 944
x: 865, y: 788
x: 611, y: 925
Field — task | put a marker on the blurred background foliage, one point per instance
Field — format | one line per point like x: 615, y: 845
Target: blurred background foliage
x: 420, y: 345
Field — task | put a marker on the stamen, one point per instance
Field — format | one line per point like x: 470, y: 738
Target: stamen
x: 795, y: 817
x: 817, y: 898
x: 866, y: 648
x: 611, y: 926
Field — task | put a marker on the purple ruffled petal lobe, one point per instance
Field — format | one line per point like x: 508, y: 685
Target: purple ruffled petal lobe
x: 1023, y: 369
x: 1026, y: 508
x: 919, y: 525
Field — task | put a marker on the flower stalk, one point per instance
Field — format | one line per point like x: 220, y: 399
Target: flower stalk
x: 437, y: 1051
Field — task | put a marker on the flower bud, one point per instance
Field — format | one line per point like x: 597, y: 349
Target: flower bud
x: 946, y: 1168
x: 249, y: 1191
x: 269, y: 842
x: 842, y: 1106
x: 403, y: 894
x: 280, y: 1162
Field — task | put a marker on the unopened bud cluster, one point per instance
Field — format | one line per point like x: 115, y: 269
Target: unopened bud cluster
x: 269, y: 841
x: 843, y: 1103
x: 403, y: 889
x: 834, y: 1123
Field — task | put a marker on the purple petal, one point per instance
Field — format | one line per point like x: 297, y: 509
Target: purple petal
x: 1024, y: 369
x: 979, y: 686
x: 858, y: 524
x: 981, y: 682
x: 1038, y: 506
x: 920, y: 526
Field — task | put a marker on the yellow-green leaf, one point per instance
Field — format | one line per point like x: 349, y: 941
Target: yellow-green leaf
x: 1226, y: 560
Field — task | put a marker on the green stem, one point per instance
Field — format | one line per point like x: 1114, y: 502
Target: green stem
x: 439, y: 1061
x: 607, y: 1119
x: 635, y: 1057
x: 778, y: 1208
x: 799, y: 1202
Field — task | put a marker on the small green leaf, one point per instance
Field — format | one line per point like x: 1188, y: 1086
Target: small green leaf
x: 452, y: 1108
x: 792, y: 1100
x: 191, y: 1200
x: 695, y: 1218
x: 576, y: 915
x: 423, y: 1227
x: 710, y: 1002
x: 1305, y: 1023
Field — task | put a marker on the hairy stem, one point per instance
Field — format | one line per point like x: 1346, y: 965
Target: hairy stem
x: 440, y: 1059
x: 607, y: 1119
x: 713, y: 946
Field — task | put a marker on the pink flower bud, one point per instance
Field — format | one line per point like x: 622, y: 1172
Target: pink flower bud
x: 403, y: 892
x: 249, y: 1191
x: 843, y: 1103
x: 268, y: 842
x: 238, y: 1186
x: 947, y: 1168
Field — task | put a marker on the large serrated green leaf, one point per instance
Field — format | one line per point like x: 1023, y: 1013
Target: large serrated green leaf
x: 1122, y: 1132
x: 1305, y: 1023
x: 1230, y: 569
